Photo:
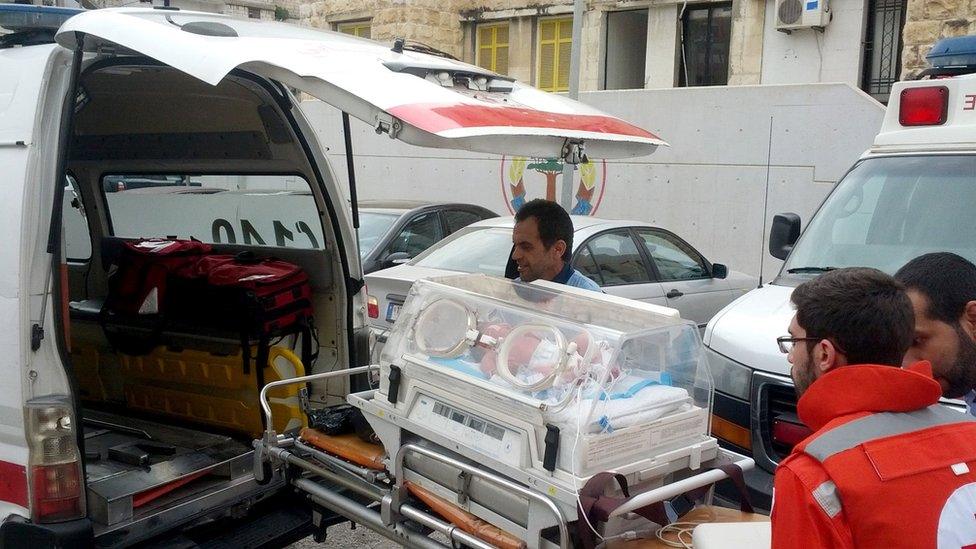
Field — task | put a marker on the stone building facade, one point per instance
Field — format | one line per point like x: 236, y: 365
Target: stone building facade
x: 929, y: 20
x: 627, y: 44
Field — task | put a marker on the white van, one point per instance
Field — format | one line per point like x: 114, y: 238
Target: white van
x: 109, y: 448
x: 912, y: 193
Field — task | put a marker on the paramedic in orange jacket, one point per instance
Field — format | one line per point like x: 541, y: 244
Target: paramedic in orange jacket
x: 887, y: 466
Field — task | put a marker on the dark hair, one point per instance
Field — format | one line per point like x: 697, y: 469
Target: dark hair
x: 863, y: 311
x: 553, y: 221
x: 946, y: 279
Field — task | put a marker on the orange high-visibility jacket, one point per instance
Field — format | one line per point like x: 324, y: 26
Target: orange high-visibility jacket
x: 886, y: 467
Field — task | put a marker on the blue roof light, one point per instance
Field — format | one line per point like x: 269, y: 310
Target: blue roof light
x: 958, y: 51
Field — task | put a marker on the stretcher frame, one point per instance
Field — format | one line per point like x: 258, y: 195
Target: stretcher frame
x: 386, y: 490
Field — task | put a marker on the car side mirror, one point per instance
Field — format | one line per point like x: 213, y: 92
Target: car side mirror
x: 783, y: 234
x: 396, y: 258
x: 719, y: 271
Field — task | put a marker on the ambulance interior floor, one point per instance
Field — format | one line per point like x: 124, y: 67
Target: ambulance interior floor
x: 132, y: 463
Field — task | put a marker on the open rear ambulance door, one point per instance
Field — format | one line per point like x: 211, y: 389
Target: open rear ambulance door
x: 422, y: 99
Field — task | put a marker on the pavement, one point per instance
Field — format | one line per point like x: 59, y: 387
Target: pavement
x: 342, y: 536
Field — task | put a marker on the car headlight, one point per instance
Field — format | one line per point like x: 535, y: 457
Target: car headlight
x: 729, y: 376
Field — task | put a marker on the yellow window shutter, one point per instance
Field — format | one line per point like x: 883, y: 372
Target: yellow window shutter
x: 562, y: 78
x: 547, y: 62
x: 501, y: 60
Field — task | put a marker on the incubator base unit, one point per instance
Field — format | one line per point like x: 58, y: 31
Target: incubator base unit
x: 543, y: 384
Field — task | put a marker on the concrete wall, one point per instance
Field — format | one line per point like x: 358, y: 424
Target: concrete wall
x: 708, y: 187
x: 811, y: 56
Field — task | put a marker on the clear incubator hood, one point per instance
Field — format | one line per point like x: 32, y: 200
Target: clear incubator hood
x: 546, y: 380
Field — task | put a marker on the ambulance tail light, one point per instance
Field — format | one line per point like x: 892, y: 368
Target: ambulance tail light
x: 372, y: 307
x: 926, y: 106
x: 56, y: 478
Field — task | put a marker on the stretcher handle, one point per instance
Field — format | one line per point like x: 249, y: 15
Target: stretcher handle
x: 677, y: 488
x: 564, y: 542
x: 266, y: 406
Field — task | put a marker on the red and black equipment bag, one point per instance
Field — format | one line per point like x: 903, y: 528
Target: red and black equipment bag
x: 133, y: 316
x: 181, y: 287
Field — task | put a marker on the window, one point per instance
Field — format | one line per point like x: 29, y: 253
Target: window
x: 626, y: 50
x: 357, y: 28
x: 674, y: 259
x: 555, y: 42
x: 420, y: 233
x: 459, y: 219
x: 882, y: 47
x: 254, y: 13
x: 77, y: 239
x: 584, y: 263
x: 372, y: 227
x: 266, y: 210
x: 705, y: 47
x: 493, y: 47
x: 889, y: 210
x: 471, y: 251
x: 617, y: 258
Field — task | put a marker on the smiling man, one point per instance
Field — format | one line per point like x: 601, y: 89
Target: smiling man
x: 543, y: 245
x: 942, y: 287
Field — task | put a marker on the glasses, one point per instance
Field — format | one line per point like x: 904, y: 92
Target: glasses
x: 786, y: 343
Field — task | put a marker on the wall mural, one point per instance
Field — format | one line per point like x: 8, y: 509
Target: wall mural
x: 523, y: 179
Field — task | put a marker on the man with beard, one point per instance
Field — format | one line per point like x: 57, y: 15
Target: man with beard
x: 886, y: 466
x: 942, y: 287
x: 543, y: 245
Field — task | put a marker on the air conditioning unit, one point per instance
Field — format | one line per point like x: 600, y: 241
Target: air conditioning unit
x: 793, y: 15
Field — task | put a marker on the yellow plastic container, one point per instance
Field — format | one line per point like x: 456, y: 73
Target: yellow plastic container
x: 211, y: 389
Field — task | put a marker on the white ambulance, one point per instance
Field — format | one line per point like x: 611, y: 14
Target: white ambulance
x: 913, y: 192
x: 108, y: 448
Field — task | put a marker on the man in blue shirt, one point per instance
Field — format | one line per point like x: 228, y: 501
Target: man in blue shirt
x: 543, y: 245
x: 942, y: 287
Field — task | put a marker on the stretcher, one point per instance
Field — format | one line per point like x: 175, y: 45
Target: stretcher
x: 499, y: 404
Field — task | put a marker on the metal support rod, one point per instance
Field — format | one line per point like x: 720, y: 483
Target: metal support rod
x: 365, y: 516
x: 370, y: 475
x: 579, y: 8
x: 351, y: 170
x: 490, y: 477
x: 451, y: 531
x: 361, y: 488
x: 266, y: 407
x: 673, y: 489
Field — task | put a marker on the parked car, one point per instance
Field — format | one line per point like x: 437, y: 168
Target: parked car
x: 394, y: 232
x: 626, y: 258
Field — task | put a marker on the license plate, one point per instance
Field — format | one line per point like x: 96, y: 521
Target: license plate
x: 392, y: 311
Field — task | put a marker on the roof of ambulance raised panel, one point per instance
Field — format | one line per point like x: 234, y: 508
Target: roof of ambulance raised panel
x: 957, y: 134
x: 429, y: 100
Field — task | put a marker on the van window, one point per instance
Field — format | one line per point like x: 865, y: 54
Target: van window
x: 265, y: 210
x: 77, y: 239
x: 889, y: 210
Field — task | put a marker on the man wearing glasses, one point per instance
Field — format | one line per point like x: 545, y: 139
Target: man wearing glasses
x: 887, y: 466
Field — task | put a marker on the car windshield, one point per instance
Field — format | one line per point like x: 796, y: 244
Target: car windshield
x: 372, y: 227
x: 889, y: 210
x: 479, y: 250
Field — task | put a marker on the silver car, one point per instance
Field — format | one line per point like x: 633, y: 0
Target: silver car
x: 626, y: 258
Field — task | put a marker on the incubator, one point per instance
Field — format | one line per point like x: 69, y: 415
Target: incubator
x: 544, y: 384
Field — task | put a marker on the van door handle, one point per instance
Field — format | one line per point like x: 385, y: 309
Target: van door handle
x: 674, y: 293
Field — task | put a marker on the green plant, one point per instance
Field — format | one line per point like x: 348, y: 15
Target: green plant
x: 281, y: 14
